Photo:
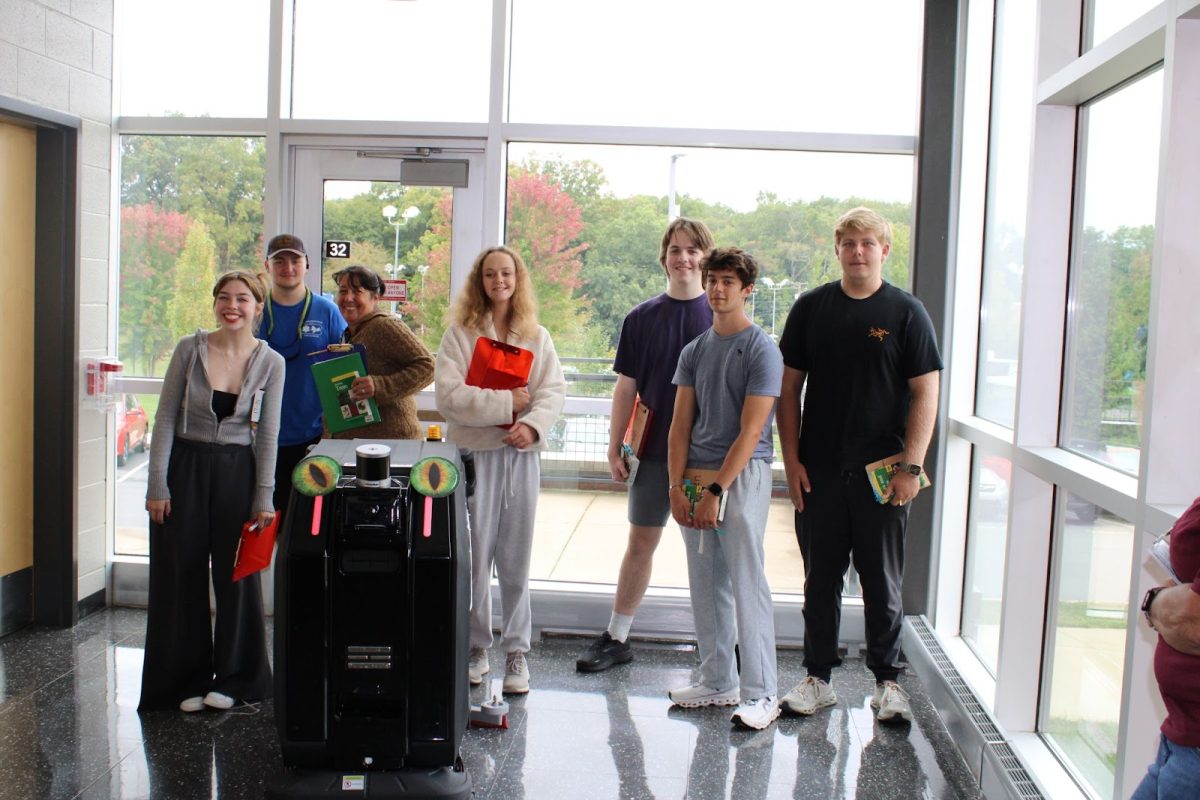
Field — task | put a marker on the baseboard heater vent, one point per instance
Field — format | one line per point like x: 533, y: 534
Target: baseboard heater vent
x: 983, y: 746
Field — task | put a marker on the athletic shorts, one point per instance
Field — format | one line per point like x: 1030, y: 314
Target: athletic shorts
x: 649, y: 500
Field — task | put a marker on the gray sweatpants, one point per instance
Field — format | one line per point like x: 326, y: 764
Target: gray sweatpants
x: 502, y: 511
x: 731, y: 601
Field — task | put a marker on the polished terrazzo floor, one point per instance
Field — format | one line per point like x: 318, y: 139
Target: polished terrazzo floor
x: 69, y: 729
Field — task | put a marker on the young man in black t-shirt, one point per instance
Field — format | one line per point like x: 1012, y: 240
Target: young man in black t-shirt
x: 869, y: 355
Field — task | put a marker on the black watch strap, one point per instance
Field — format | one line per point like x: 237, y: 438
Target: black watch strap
x: 714, y: 489
x: 1148, y: 601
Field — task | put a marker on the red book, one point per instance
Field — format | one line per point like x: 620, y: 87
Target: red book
x: 637, y: 434
x: 254, y: 548
x: 499, y: 365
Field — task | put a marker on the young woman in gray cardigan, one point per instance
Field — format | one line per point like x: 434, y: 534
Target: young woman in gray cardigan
x: 212, y: 468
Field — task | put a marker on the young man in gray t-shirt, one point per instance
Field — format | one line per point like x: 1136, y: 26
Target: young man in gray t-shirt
x: 728, y: 380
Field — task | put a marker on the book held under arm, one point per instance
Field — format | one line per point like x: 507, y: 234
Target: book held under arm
x: 637, y: 433
x: 880, y: 473
x: 1160, y: 552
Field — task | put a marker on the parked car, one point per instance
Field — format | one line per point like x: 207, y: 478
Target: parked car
x: 133, y: 428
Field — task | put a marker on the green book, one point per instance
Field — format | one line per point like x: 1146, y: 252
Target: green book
x: 880, y: 473
x: 334, y: 377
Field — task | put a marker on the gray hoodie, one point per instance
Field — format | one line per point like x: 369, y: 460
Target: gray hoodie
x: 185, y: 410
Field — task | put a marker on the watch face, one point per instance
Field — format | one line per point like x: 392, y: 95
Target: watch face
x: 715, y: 489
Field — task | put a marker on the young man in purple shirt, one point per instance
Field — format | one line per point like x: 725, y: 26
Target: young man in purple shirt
x: 652, y: 336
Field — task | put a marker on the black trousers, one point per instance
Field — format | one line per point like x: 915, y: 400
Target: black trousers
x: 286, y: 459
x: 842, y: 522
x: 212, y: 490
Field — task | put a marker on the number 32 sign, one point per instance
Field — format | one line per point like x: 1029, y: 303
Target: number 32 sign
x: 335, y: 248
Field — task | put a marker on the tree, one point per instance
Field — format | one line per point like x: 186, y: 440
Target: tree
x: 195, y: 273
x: 621, y: 266
x: 217, y: 180
x: 543, y: 221
x: 151, y: 241
x: 428, y: 312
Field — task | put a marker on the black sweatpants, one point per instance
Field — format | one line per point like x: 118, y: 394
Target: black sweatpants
x: 212, y: 489
x: 841, y: 521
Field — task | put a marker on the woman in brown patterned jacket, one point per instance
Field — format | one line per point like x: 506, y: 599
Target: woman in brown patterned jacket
x: 398, y: 364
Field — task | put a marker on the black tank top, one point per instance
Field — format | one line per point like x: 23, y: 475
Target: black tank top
x: 223, y: 404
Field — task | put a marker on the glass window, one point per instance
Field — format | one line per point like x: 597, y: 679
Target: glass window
x: 135, y: 425
x: 1004, y: 232
x: 595, y: 215
x: 1109, y: 310
x: 194, y: 59
x: 379, y: 59
x: 987, y: 540
x: 1106, y: 17
x: 403, y: 233
x: 656, y: 64
x: 191, y: 208
x: 1088, y: 619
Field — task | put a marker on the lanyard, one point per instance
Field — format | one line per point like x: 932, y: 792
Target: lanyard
x: 303, y: 314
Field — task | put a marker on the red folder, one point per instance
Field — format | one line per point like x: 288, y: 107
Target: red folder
x: 499, y: 365
x: 254, y: 548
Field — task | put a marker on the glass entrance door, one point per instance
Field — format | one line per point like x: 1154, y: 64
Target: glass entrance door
x: 412, y: 214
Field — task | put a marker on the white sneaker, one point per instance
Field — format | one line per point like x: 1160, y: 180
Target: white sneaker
x: 192, y: 704
x: 219, y: 701
x: 809, y: 696
x: 477, y: 665
x: 698, y: 696
x: 892, y: 702
x: 516, y: 673
x: 757, y: 713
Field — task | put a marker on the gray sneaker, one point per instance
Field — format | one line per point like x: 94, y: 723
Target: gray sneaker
x: 698, y: 696
x: 477, y: 665
x: 892, y: 703
x: 809, y: 696
x: 516, y: 673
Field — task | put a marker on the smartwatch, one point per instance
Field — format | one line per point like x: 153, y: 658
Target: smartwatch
x: 714, y: 489
x: 1148, y: 601
x: 911, y: 469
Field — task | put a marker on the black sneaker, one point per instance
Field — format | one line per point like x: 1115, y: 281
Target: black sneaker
x: 603, y: 653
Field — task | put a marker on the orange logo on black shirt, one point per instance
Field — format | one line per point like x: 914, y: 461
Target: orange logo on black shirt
x: 878, y: 334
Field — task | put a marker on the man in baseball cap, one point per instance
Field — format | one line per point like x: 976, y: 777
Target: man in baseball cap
x: 296, y: 323
x: 285, y: 243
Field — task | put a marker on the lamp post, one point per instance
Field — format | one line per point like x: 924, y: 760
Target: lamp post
x: 774, y: 286
x: 389, y: 213
x: 672, y: 208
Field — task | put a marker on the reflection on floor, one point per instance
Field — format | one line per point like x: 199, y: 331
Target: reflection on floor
x: 69, y: 729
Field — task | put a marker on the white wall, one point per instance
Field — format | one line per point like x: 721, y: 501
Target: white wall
x: 57, y: 54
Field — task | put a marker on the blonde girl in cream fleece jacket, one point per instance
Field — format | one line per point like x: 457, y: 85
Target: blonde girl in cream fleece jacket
x: 497, y: 302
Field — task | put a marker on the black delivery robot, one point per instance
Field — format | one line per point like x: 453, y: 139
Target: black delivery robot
x: 372, y: 588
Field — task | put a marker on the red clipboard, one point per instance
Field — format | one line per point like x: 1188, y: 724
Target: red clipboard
x: 254, y: 548
x: 499, y: 365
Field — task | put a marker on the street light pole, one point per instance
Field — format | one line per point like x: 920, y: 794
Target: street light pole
x: 774, y: 287
x: 389, y: 213
x: 672, y: 208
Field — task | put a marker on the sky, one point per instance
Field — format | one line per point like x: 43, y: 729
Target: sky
x: 850, y: 66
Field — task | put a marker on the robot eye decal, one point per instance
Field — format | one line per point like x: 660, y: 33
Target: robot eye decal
x: 434, y: 476
x: 316, y: 475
